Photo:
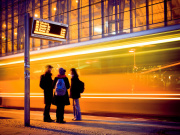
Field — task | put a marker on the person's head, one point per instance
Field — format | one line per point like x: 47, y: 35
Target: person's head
x: 49, y: 68
x: 74, y: 72
x: 62, y: 71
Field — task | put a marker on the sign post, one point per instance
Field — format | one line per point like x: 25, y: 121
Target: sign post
x: 41, y: 29
x: 26, y: 72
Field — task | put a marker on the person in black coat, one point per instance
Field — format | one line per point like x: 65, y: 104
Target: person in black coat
x: 46, y: 84
x: 75, y: 94
x: 61, y: 101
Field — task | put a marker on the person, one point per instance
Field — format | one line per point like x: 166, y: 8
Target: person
x: 61, y: 100
x: 46, y: 84
x: 75, y: 94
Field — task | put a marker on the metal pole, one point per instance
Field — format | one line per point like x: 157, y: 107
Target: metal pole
x: 102, y: 19
x: 165, y: 12
x: 26, y: 73
x: 79, y: 23
x: 6, y: 17
x: 116, y: 23
x: 134, y: 60
x: 0, y: 28
x: 147, y: 14
x: 131, y: 19
x: 90, y: 19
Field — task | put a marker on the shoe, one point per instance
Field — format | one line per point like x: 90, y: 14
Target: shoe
x: 48, y: 120
x: 63, y: 121
x: 75, y: 119
x: 57, y: 121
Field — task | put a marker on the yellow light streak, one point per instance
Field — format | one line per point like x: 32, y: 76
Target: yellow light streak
x: 104, y: 97
x: 131, y: 94
x: 98, y: 50
x: 100, y: 94
x: 132, y: 98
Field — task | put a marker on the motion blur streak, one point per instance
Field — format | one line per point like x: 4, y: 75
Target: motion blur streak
x: 98, y: 50
x: 106, y: 97
x: 98, y: 94
x: 113, y: 77
x: 167, y: 66
x: 133, y: 98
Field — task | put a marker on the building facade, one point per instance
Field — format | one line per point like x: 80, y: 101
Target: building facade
x: 87, y: 19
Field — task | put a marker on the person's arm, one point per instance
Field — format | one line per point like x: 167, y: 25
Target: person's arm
x: 54, y: 82
x: 67, y: 83
x: 74, y: 84
x: 41, y: 84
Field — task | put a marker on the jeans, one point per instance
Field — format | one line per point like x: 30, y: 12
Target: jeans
x: 60, y: 113
x: 46, y: 111
x: 76, y: 109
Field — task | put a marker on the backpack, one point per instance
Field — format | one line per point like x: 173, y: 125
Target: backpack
x: 60, y: 88
x: 81, y: 86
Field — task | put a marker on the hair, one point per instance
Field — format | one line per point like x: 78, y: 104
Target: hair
x: 74, y: 72
x: 62, y: 71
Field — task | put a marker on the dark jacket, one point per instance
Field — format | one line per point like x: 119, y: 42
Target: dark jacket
x: 46, y: 84
x: 74, y: 90
x: 62, y: 100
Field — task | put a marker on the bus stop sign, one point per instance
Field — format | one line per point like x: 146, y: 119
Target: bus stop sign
x: 48, y: 30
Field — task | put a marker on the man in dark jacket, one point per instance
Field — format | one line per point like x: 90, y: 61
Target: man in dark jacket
x: 61, y: 101
x: 46, y: 84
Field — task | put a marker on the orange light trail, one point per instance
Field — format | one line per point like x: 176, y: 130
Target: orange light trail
x: 99, y: 94
x: 40, y: 95
x: 104, y: 97
x: 97, y: 50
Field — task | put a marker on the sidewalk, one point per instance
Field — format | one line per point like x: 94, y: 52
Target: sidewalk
x: 12, y: 122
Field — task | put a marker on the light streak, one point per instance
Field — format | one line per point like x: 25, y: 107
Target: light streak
x: 131, y: 94
x: 104, y: 97
x: 15, y: 62
x: 132, y: 98
x: 167, y: 66
x: 100, y: 94
x: 97, y: 50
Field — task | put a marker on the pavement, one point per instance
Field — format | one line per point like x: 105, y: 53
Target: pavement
x: 12, y: 122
